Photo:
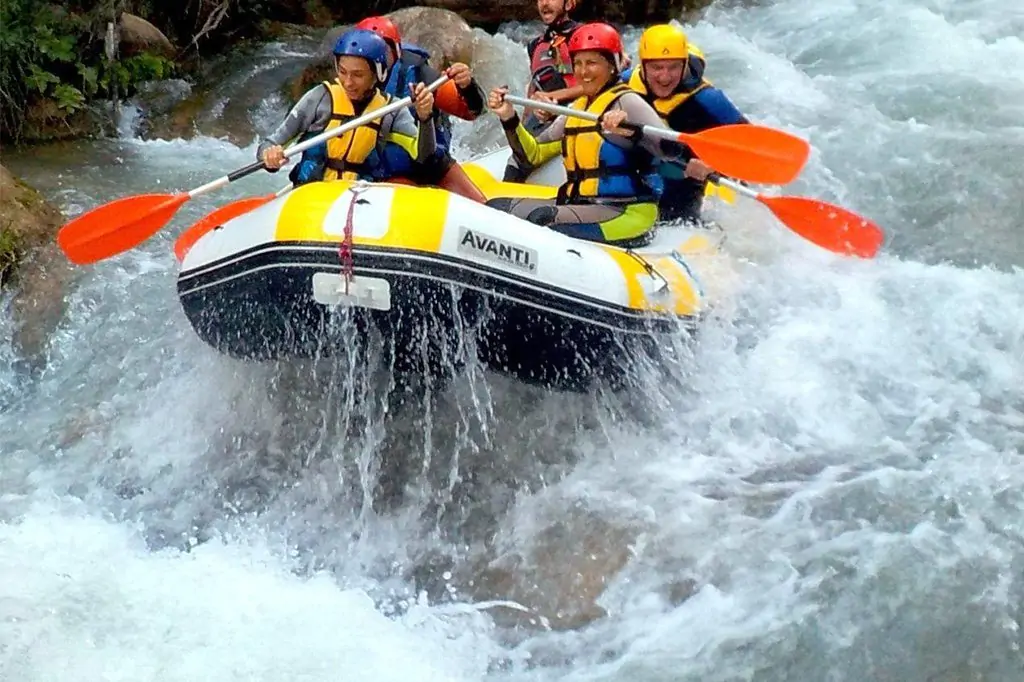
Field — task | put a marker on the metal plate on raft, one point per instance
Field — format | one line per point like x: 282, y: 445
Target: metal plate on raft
x: 363, y: 292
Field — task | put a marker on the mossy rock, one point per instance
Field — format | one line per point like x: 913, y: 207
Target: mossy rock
x: 46, y: 122
x: 31, y: 262
x: 27, y: 222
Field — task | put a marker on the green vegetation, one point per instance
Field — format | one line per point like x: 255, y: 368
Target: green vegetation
x: 55, y: 52
x: 8, y: 253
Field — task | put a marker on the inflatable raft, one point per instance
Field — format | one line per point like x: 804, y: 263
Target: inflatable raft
x: 439, y: 277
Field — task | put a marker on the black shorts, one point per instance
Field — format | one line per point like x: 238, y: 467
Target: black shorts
x: 432, y: 170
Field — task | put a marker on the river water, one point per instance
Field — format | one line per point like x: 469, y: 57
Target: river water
x: 835, y: 491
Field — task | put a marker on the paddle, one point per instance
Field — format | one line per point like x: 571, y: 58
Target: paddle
x: 125, y: 223
x: 750, y: 152
x: 830, y: 227
x: 220, y: 216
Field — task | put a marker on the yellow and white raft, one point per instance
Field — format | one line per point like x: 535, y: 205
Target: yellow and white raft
x: 425, y: 266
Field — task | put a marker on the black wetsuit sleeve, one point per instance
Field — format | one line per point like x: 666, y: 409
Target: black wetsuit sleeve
x: 473, y: 96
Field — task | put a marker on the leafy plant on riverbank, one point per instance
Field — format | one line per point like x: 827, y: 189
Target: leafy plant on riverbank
x: 30, y: 50
x: 51, y: 52
x: 8, y: 253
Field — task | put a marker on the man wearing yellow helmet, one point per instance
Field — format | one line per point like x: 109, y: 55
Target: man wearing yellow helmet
x: 671, y: 78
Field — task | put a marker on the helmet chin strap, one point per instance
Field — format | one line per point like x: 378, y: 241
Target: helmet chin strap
x: 615, y: 60
x: 397, y: 52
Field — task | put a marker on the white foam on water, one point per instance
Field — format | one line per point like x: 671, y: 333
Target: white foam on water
x: 85, y: 598
x: 834, y: 494
x: 912, y: 109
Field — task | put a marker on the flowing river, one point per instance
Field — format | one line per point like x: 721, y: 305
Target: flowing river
x: 833, y: 490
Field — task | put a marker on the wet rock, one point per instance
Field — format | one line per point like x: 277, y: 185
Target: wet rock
x: 180, y: 121
x: 639, y: 13
x: 319, y: 70
x: 27, y: 222
x: 138, y: 35
x: 158, y: 104
x: 162, y: 109
x: 282, y: 30
x: 560, y: 574
x: 160, y: 97
x: 46, y: 122
x: 444, y: 34
x: 482, y: 12
x: 31, y: 262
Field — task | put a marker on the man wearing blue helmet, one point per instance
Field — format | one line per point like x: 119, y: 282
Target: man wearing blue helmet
x: 361, y: 59
x: 461, y: 96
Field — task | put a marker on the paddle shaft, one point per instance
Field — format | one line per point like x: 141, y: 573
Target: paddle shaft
x: 649, y: 131
x: 314, y: 141
x: 828, y: 226
x: 733, y: 185
x: 831, y: 227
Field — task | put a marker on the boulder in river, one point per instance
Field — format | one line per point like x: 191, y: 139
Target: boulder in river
x: 490, y: 14
x: 31, y: 262
x: 442, y: 33
x: 559, y: 570
x: 138, y: 35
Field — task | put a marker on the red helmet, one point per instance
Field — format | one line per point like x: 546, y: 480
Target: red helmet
x: 597, y: 36
x: 383, y: 27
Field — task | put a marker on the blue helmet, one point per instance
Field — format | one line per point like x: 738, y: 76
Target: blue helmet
x: 365, y: 44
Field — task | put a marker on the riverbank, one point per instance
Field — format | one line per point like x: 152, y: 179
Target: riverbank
x: 65, y: 66
x: 66, y: 69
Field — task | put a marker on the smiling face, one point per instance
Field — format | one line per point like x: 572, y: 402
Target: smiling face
x: 593, y: 71
x: 663, y: 75
x: 551, y: 11
x: 357, y: 77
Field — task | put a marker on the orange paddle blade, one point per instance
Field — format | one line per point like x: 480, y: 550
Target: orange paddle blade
x: 829, y: 226
x: 751, y: 152
x: 214, y: 220
x: 117, y: 226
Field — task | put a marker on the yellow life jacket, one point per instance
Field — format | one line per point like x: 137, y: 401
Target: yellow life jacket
x: 665, y: 106
x: 593, y: 166
x: 346, y: 153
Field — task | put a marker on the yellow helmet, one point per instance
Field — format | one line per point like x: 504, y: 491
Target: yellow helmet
x: 663, y: 41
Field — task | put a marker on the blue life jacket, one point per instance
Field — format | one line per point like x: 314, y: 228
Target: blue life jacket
x: 311, y: 165
x: 392, y: 162
x: 404, y: 74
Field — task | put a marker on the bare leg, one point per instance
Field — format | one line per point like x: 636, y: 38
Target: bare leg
x: 456, y: 180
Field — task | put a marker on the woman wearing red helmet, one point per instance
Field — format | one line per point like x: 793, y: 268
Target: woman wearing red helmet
x: 604, y: 197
